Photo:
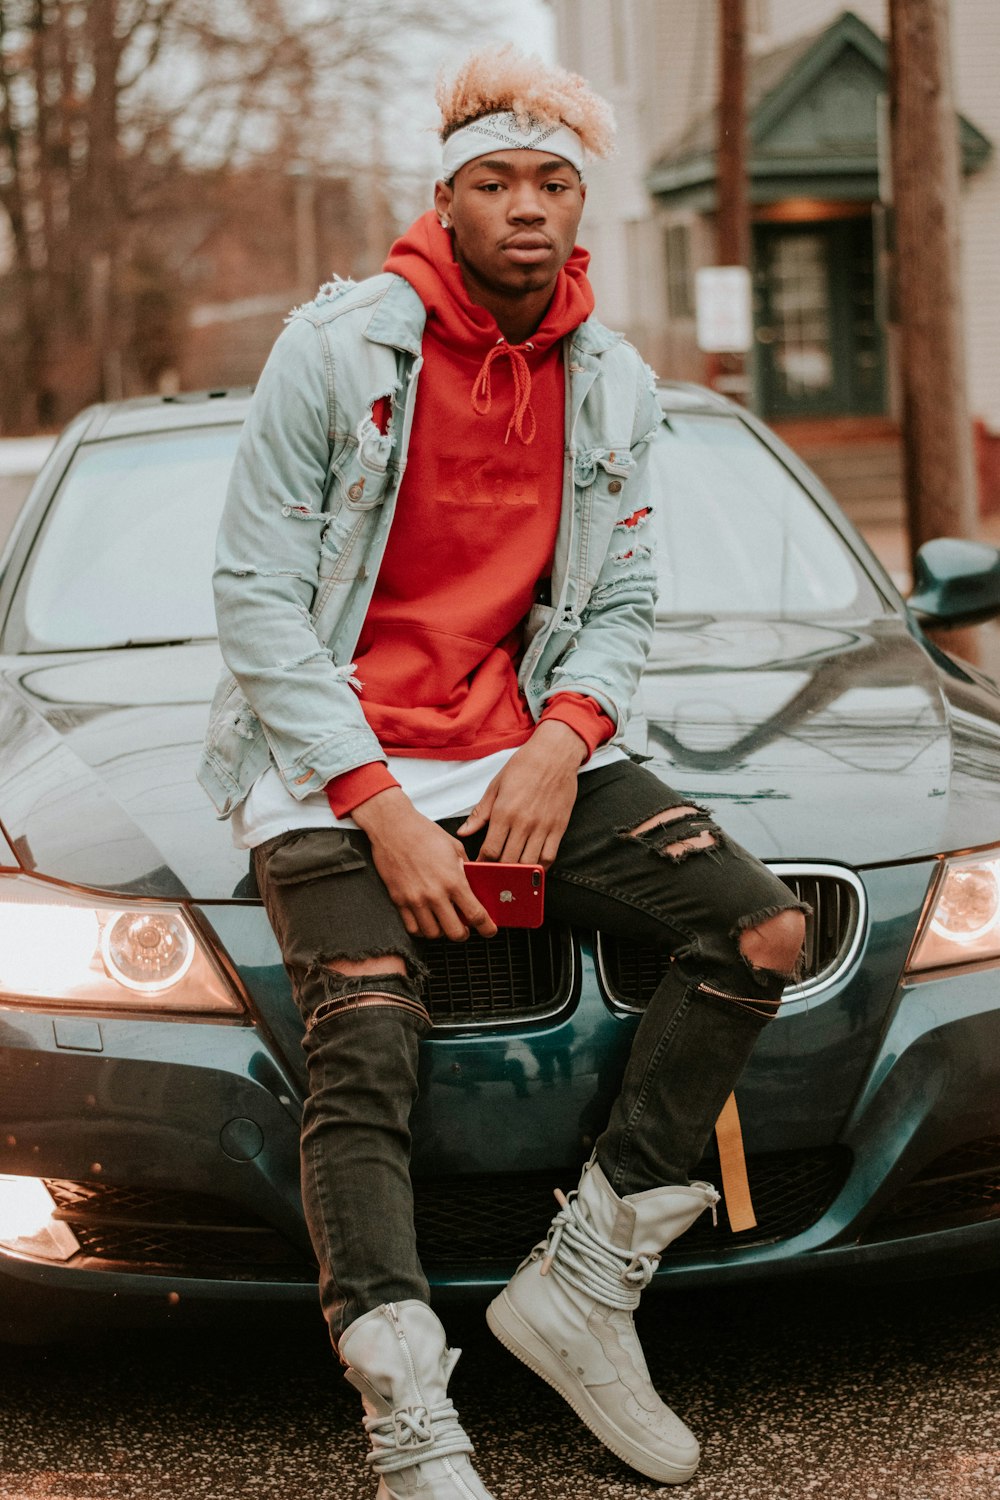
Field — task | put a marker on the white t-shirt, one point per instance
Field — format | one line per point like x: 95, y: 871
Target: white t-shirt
x: 437, y: 788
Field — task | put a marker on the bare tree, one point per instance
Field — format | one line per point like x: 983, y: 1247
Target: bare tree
x: 102, y: 102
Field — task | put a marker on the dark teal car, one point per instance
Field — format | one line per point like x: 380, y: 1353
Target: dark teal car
x: 151, y: 1078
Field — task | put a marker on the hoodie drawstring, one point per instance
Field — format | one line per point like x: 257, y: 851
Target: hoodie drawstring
x: 523, y: 420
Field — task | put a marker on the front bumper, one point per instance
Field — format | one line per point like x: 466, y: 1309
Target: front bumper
x: 877, y: 1081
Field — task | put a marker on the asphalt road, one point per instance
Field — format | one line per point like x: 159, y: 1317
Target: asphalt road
x: 809, y: 1392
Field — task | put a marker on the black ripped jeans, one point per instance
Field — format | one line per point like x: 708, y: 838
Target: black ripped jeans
x: 326, y: 901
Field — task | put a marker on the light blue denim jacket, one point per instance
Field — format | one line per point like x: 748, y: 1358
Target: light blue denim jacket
x: 308, y: 511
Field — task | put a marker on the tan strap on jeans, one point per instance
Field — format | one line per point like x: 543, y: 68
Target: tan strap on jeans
x: 733, y: 1165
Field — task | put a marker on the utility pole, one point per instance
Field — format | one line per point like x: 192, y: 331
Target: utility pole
x: 732, y: 234
x: 937, y: 434
x: 732, y: 224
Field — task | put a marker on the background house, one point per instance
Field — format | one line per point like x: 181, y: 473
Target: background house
x: 822, y: 367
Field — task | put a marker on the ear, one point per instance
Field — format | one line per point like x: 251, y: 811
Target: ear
x: 443, y: 195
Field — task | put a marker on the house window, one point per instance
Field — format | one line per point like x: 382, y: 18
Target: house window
x: 680, y: 298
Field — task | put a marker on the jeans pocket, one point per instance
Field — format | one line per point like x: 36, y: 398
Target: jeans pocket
x: 310, y: 854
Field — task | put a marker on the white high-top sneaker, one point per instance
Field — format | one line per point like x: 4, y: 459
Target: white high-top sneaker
x: 567, y: 1313
x: 397, y: 1358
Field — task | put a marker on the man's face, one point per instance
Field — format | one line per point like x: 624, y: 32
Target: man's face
x: 514, y: 215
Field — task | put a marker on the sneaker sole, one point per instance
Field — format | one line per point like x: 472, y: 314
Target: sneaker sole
x: 520, y: 1339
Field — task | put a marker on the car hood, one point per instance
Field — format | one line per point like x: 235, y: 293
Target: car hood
x: 848, y: 743
x: 852, y: 742
x: 97, y: 780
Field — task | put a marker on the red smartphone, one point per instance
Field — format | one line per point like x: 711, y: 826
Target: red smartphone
x: 514, y: 895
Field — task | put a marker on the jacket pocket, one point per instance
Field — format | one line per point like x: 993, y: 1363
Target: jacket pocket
x: 539, y: 616
x: 607, y: 469
x: 359, y: 480
x: 232, y: 723
x: 601, y: 475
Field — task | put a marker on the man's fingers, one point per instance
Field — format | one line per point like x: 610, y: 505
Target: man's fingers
x: 550, y: 849
x: 475, y: 912
x: 497, y: 840
x: 519, y: 835
x: 427, y: 923
x: 450, y: 922
x: 481, y: 813
x: 531, y: 850
x: 409, y: 921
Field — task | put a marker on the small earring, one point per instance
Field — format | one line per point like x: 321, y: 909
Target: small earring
x: 445, y: 223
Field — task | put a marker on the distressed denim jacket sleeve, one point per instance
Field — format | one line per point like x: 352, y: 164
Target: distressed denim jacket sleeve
x: 614, y: 630
x: 268, y: 561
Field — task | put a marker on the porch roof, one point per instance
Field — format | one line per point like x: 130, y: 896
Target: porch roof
x: 812, y: 112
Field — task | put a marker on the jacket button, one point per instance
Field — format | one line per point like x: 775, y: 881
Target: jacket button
x: 614, y: 486
x: 356, y: 490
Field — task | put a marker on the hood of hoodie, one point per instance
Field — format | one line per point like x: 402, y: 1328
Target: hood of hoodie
x: 424, y: 257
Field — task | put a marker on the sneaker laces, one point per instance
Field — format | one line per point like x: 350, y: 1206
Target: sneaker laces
x: 592, y: 1264
x: 413, y: 1434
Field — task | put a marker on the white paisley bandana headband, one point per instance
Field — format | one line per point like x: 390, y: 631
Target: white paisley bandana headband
x: 501, y: 132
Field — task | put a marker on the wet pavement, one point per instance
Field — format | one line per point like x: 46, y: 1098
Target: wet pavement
x: 812, y: 1391
x: 799, y: 1392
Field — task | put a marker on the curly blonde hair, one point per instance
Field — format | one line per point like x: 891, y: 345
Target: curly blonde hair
x: 502, y: 78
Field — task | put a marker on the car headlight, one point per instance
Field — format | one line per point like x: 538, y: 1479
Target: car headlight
x: 961, y: 923
x: 87, y: 952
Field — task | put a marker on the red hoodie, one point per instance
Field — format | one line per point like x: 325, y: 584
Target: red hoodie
x: 472, y: 537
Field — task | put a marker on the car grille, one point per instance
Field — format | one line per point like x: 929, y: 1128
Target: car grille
x: 462, y: 1223
x: 177, y: 1234
x: 521, y: 974
x: 632, y: 971
x: 495, y: 1220
x: 960, y: 1187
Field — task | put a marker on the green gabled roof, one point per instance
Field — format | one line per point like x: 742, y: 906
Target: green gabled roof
x: 811, y: 108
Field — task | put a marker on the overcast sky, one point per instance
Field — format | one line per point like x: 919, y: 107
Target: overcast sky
x: 533, y: 31
x: 411, y: 117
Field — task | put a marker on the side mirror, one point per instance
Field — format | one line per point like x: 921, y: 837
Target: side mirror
x: 955, y: 582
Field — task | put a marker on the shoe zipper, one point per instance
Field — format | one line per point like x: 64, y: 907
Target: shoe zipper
x: 398, y: 1330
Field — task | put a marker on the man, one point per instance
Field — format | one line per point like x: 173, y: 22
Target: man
x: 435, y: 595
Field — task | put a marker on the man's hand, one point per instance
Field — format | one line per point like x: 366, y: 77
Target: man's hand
x: 421, y: 866
x: 528, y: 804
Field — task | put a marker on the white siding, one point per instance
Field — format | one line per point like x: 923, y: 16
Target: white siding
x: 671, y: 65
x: 669, y: 46
x: 976, y: 59
x: 786, y: 19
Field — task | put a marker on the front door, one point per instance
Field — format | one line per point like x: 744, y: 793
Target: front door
x: 819, y: 343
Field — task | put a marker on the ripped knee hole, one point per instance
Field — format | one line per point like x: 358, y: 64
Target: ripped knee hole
x: 389, y: 963
x: 774, y: 945
x: 678, y: 832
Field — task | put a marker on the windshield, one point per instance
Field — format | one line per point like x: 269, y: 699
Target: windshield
x: 738, y: 535
x: 127, y: 548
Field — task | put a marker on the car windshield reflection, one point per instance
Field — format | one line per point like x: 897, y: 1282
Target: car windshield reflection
x: 738, y: 535
x: 125, y: 555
